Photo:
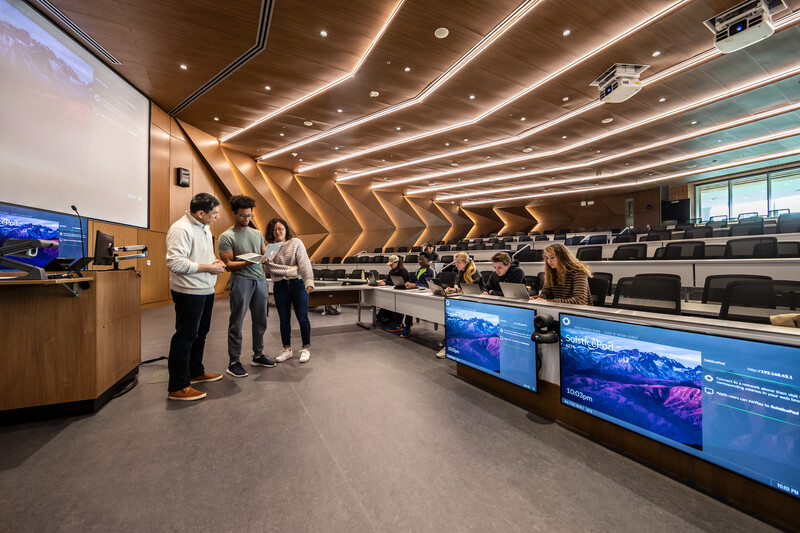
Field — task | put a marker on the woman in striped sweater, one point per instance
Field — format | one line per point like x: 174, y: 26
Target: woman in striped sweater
x: 566, y: 279
x: 292, y: 280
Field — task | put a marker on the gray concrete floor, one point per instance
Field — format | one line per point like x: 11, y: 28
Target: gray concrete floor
x: 373, y: 434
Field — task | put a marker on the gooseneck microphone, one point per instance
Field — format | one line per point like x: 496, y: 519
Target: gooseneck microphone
x: 513, y: 257
x: 80, y: 225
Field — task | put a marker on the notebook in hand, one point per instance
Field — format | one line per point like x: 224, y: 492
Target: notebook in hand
x: 515, y: 291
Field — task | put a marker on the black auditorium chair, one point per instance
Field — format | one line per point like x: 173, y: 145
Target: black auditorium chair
x: 789, y: 249
x: 715, y: 251
x: 478, y: 246
x: 658, y: 228
x: 549, y: 232
x: 328, y: 275
x: 498, y: 246
x: 446, y: 259
x: 751, y: 247
x: 541, y: 238
x: 325, y: 273
x: 749, y: 228
x: 325, y: 261
x: 411, y: 259
x: 525, y: 238
x: 655, y: 293
x: 658, y: 235
x: 448, y: 279
x: 788, y: 223
x: 714, y: 286
x: 530, y: 256
x: 608, y: 276
x: 364, y: 259
x: 717, y: 222
x: 486, y: 274
x: 685, y: 250
x: 317, y: 274
x: 741, y: 296
x: 590, y: 253
x: 339, y: 273
x: 347, y: 260
x: 575, y: 241
x: 337, y: 260
x: 659, y: 253
x: 402, y: 249
x: 540, y: 275
x: 532, y: 283
x: 378, y: 259
x: 628, y: 237
x: 684, y: 227
x: 356, y: 273
x: 598, y: 239
x: 388, y: 250
x: 599, y: 289
x: 377, y: 251
x: 700, y: 232
x: 625, y: 252
x: 560, y: 237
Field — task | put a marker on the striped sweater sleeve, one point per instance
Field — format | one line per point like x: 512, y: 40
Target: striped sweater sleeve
x: 575, y: 290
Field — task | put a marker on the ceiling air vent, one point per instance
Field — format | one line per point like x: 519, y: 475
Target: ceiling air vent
x: 82, y: 34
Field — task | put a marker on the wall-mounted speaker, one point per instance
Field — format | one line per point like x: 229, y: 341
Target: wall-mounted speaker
x: 183, y: 177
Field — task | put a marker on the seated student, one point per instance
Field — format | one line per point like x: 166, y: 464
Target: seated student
x: 467, y: 273
x: 396, y: 269
x: 504, y: 271
x: 566, y: 279
x: 431, y: 252
x: 419, y: 280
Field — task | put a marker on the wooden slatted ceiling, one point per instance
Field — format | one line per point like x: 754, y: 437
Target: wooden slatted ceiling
x: 152, y: 39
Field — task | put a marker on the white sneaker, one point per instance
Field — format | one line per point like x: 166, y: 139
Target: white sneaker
x: 305, y: 354
x: 441, y: 354
x: 284, y: 355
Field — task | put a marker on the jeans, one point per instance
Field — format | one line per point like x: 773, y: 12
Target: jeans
x: 192, y: 322
x: 290, y: 293
x: 247, y: 294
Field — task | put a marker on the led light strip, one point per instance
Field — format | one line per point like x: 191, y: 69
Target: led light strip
x: 710, y: 151
x: 326, y: 87
x: 702, y: 57
x: 712, y: 129
x: 490, y: 111
x: 474, y: 52
x: 722, y: 166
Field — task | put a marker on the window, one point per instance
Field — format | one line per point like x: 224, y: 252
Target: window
x: 749, y: 195
x: 785, y: 190
x: 712, y: 199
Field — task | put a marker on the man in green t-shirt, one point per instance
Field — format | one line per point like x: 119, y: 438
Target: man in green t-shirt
x: 248, y: 284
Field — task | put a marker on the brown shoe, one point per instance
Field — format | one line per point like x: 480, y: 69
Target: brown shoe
x: 186, y: 394
x: 207, y: 378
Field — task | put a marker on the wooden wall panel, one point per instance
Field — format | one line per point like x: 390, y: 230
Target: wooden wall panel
x: 515, y: 219
x: 485, y: 221
x: 459, y: 225
x: 180, y: 155
x: 436, y: 227
x: 159, y: 178
x: 153, y: 268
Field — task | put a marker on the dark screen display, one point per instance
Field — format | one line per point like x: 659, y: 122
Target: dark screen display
x: 26, y: 223
x: 732, y: 402
x: 493, y: 338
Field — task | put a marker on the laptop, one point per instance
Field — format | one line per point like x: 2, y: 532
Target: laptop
x: 515, y: 291
x: 398, y: 282
x: 471, y: 288
x: 371, y: 281
x: 435, y: 286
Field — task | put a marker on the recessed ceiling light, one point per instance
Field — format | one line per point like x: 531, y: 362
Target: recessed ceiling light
x: 184, y: 67
x: 662, y: 99
x: 281, y: 134
x: 335, y: 172
x: 301, y: 160
x: 522, y: 168
x: 323, y: 33
x: 267, y: 88
x: 607, y: 120
x: 488, y: 157
x: 522, y: 119
x: 441, y: 33
x: 656, y: 53
x: 563, y: 136
x: 566, y: 33
x: 345, y: 169
x: 565, y: 99
x: 447, y: 144
x: 338, y: 110
x: 466, y: 140
x: 383, y: 160
x: 719, y: 140
x: 693, y: 122
x: 308, y: 123
x: 599, y: 151
x: 216, y: 118
x: 458, y: 179
x: 407, y: 69
x: 453, y: 164
x: 335, y: 147
x: 527, y: 150
x: 472, y: 97
x: 398, y: 128
x: 294, y: 154
x: 374, y: 94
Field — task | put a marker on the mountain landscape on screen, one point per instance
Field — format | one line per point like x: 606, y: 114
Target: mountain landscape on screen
x: 648, y: 390
x: 474, y: 338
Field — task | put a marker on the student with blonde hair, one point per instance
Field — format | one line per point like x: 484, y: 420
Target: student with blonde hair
x: 566, y: 279
x: 467, y: 273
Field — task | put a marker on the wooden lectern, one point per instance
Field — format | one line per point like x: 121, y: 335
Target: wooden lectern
x: 66, y: 349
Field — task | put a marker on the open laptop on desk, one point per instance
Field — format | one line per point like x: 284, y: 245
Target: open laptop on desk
x: 371, y: 281
x: 515, y: 291
x: 398, y: 282
x: 436, y: 287
x: 471, y: 288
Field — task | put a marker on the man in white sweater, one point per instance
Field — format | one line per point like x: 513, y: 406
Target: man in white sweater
x: 193, y: 271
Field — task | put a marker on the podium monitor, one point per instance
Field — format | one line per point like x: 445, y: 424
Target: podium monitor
x: 103, y: 249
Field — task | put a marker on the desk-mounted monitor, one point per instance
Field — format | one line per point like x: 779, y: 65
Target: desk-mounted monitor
x: 492, y: 338
x: 730, y: 401
x: 103, y: 249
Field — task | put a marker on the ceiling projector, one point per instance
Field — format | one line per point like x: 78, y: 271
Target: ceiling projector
x: 744, y: 24
x: 620, y: 82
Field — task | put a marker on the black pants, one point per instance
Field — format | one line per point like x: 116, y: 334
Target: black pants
x: 398, y: 319
x: 192, y: 322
